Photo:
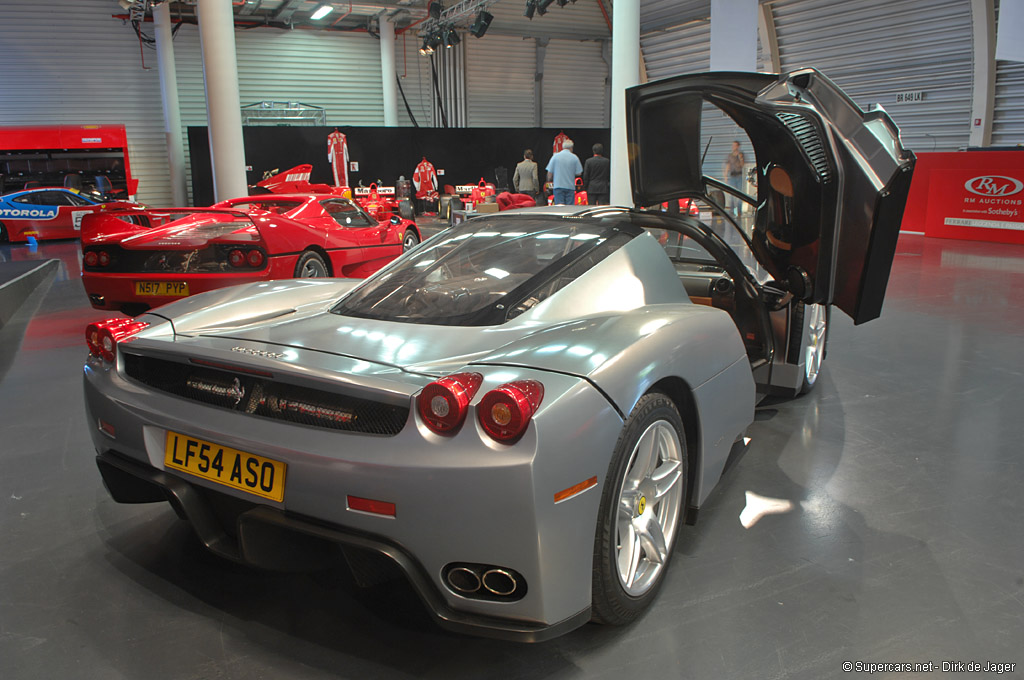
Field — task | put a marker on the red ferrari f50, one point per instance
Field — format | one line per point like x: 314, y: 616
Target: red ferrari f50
x: 132, y: 261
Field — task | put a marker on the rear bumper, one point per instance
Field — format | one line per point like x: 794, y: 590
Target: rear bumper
x: 111, y: 291
x: 265, y: 535
x: 459, y: 499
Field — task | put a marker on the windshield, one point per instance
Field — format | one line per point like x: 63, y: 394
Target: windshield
x: 274, y: 205
x: 485, y: 271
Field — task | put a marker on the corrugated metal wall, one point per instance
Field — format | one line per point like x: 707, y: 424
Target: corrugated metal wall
x: 576, y: 85
x: 74, y: 64
x: 340, y: 72
x: 1008, y: 112
x: 499, y: 81
x: 875, y: 49
x: 414, y: 75
x: 1008, y: 119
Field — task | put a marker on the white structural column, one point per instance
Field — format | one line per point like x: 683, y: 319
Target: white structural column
x: 625, y: 74
x: 387, y: 71
x: 983, y: 85
x: 769, y: 38
x: 223, y: 110
x: 169, y: 95
x: 734, y: 35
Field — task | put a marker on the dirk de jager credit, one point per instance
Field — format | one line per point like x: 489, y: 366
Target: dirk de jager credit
x: 930, y: 666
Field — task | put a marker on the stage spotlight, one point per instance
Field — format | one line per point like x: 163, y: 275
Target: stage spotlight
x: 451, y: 38
x: 542, y: 6
x: 434, y: 10
x: 426, y: 50
x: 563, y: 3
x: 483, y: 21
x: 531, y: 7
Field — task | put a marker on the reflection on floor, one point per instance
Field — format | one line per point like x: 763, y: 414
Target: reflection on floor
x: 885, y: 528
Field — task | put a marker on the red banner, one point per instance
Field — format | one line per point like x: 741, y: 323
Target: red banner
x: 973, y: 195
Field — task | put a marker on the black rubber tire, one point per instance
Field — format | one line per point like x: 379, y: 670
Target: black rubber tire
x: 3, y: 233
x: 410, y: 240
x: 610, y: 604
x: 406, y: 209
x: 306, y: 258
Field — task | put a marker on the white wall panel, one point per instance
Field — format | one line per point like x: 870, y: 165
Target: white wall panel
x: 73, y: 64
x: 575, y: 90
x: 500, y: 81
x: 875, y: 49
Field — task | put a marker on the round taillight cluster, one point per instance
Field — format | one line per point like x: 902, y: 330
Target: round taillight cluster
x: 246, y: 258
x: 503, y: 413
x: 94, y: 258
x: 443, y: 404
x: 102, y: 336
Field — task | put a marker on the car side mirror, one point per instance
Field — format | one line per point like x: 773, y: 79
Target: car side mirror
x: 396, y: 220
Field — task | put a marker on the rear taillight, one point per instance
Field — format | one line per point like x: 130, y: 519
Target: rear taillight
x: 443, y: 403
x: 236, y: 258
x: 255, y: 258
x: 103, y: 336
x: 103, y: 258
x: 91, y: 259
x: 505, y: 411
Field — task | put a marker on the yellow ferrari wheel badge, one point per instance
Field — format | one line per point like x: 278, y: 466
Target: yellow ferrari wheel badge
x: 641, y: 505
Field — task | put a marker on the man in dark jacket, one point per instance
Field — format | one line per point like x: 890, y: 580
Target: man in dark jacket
x: 596, y: 176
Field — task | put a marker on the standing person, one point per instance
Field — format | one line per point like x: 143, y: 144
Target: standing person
x: 563, y: 168
x: 525, y: 178
x: 734, y: 176
x: 597, y: 176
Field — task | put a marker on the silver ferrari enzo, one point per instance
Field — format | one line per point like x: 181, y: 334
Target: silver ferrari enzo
x: 522, y: 412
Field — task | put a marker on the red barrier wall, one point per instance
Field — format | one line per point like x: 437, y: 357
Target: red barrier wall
x: 971, y: 195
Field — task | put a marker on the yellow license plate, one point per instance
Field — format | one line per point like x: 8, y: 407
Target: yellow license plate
x: 162, y: 288
x: 237, y: 469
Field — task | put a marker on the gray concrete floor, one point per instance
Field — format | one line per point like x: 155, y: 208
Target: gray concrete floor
x: 904, y: 542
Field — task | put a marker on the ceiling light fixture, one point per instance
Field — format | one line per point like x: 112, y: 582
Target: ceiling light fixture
x: 321, y: 12
x: 480, y: 26
x: 531, y: 7
x: 434, y: 10
x: 542, y: 6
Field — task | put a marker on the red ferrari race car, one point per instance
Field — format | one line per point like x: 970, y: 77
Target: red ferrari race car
x: 134, y: 261
x: 49, y: 212
x: 380, y: 202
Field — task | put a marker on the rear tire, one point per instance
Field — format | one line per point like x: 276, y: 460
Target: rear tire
x: 311, y: 266
x: 3, y: 233
x: 406, y: 209
x: 640, y: 512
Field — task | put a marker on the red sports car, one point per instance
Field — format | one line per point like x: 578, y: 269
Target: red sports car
x: 49, y: 212
x: 132, y: 261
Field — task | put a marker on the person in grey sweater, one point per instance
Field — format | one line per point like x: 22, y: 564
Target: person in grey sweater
x: 525, y: 178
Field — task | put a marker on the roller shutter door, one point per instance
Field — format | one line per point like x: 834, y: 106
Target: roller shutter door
x: 575, y: 92
x: 875, y: 49
x: 1008, y: 117
x: 500, y: 81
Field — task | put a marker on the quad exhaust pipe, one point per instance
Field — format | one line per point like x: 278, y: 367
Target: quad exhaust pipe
x: 486, y: 582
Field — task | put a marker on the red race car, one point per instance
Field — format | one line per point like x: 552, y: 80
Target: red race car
x: 49, y: 212
x: 132, y: 261
x: 380, y: 201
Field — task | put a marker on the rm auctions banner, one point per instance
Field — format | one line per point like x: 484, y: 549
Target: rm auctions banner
x: 973, y: 195
x: 981, y: 207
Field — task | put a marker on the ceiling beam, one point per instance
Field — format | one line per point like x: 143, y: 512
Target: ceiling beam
x: 289, y: 8
x: 249, y: 7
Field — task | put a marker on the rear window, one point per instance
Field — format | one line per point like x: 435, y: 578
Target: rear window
x: 485, y: 272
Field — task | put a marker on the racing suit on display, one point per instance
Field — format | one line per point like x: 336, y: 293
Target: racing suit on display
x: 337, y: 154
